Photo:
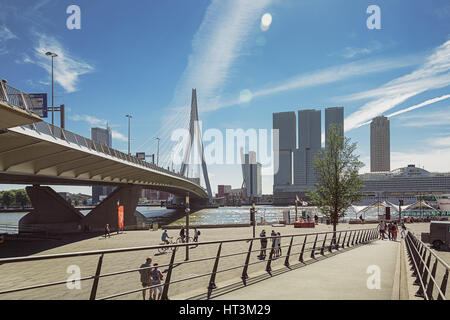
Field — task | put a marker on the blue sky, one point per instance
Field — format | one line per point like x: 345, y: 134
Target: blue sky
x: 143, y: 58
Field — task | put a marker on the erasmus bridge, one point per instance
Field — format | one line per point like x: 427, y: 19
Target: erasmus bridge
x: 35, y: 153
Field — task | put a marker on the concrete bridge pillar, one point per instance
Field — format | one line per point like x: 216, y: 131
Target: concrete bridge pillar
x: 106, y: 211
x: 51, y: 212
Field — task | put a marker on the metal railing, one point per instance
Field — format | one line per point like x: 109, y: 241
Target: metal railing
x: 15, y: 98
x: 422, y: 259
x: 73, y: 138
x: 306, y: 248
x: 14, y: 229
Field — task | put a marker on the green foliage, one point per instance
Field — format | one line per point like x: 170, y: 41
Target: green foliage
x: 338, y: 181
x: 85, y: 202
x: 8, y: 198
x: 22, y: 198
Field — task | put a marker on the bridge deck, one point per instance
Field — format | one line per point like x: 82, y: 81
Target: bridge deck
x: 342, y: 276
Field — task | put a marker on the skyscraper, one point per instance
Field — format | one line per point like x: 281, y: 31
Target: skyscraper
x: 309, y: 144
x: 334, y: 116
x: 285, y: 123
x: 103, y: 136
x: 380, y: 146
x: 251, y: 171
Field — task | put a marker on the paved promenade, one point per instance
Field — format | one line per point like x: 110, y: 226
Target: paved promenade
x: 343, y: 276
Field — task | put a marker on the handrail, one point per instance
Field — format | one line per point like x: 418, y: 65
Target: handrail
x: 360, y: 236
x: 426, y: 278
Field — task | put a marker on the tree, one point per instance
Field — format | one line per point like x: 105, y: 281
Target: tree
x: 22, y: 198
x: 338, y: 181
x: 8, y: 198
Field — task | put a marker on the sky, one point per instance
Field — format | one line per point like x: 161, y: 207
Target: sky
x: 144, y: 57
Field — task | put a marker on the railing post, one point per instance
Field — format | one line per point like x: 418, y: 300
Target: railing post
x: 96, y: 278
x: 164, y: 295
x: 313, y: 251
x: 353, y: 240
x: 212, y: 280
x: 323, y: 245
x: 424, y: 276
x: 443, y: 286
x: 244, y: 276
x: 339, y: 240
x: 431, y: 282
x: 349, y: 238
x: 269, y: 262
x: 343, y: 241
x: 300, y: 257
x: 286, y: 262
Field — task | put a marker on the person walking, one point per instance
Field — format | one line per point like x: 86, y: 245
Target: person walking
x: 403, y: 232
x: 107, y: 231
x: 182, y: 234
x: 156, y: 281
x: 394, y: 231
x: 145, y: 272
x: 382, y: 229
x: 263, y: 240
x: 196, y: 234
x: 390, y: 227
x: 279, y: 244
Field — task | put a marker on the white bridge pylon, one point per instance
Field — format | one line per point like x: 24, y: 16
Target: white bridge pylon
x: 195, y: 133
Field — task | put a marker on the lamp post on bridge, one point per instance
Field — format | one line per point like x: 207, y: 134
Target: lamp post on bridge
x: 129, y: 117
x: 187, y: 211
x: 52, y: 55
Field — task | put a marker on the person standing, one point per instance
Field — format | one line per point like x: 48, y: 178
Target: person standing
x: 107, y: 231
x: 382, y: 228
x: 182, y: 234
x: 394, y: 231
x: 145, y: 272
x: 390, y: 230
x: 279, y: 244
x: 263, y: 240
x: 196, y: 234
x: 156, y: 281
x: 403, y: 232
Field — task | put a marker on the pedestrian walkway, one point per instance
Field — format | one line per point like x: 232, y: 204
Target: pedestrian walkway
x: 342, y: 276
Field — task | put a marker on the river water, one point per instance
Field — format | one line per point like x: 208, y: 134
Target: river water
x: 221, y: 215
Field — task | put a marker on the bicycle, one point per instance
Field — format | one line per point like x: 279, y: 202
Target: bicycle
x: 181, y: 240
x: 164, y: 249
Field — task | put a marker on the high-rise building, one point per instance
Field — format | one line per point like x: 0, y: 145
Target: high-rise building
x: 251, y: 171
x: 309, y: 144
x: 103, y: 136
x: 284, y: 122
x: 334, y: 116
x: 380, y: 147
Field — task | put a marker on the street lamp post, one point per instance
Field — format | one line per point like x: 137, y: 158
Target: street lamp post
x: 187, y: 211
x: 157, y: 154
x: 52, y: 55
x: 129, y: 117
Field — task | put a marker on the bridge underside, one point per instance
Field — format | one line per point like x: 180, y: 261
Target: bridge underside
x: 13, y: 117
x: 28, y: 157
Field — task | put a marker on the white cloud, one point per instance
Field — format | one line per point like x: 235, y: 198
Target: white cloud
x: 432, y: 159
x: 217, y: 44
x: 417, y: 106
x: 437, y: 118
x: 352, y: 52
x: 433, y: 74
x: 118, y: 136
x: 5, y: 35
x: 89, y: 119
x: 67, y: 69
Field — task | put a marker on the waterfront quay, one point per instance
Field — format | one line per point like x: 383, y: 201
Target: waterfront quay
x: 30, y: 273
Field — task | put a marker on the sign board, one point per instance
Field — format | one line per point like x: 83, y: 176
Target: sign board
x: 140, y: 155
x: 120, y: 216
x: 39, y: 101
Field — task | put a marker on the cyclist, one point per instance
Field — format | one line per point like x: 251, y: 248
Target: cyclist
x: 165, y: 236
